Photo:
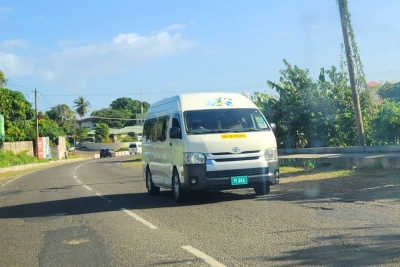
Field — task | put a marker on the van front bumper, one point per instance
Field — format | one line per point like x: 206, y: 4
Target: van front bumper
x: 198, y: 178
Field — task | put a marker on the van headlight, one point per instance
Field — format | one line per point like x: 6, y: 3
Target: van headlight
x: 194, y: 158
x: 271, y: 153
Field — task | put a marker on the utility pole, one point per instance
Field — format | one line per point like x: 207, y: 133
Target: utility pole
x: 343, y: 10
x: 141, y: 103
x: 37, y: 125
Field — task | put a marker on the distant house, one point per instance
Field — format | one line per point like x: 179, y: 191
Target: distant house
x: 86, y: 123
x: 140, y: 118
x: 117, y: 134
x: 374, y: 86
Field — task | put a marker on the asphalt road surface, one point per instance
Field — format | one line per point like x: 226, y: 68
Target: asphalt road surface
x: 98, y: 213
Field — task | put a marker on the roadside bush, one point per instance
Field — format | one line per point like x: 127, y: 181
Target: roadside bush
x: 9, y: 158
x: 127, y: 139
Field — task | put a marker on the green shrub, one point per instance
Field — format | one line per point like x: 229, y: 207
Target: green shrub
x: 310, y: 164
x: 9, y: 158
x: 127, y: 139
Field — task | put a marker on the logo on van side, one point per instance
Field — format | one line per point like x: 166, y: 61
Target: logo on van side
x: 220, y: 102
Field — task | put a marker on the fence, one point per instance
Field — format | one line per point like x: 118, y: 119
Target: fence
x: 18, y: 147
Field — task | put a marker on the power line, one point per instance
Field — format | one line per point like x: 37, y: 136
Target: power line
x: 46, y: 100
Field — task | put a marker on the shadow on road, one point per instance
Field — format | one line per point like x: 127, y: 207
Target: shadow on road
x: 96, y: 204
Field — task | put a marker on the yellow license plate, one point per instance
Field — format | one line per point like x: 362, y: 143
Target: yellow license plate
x: 227, y: 136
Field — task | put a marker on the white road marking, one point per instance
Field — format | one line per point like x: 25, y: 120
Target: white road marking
x: 203, y: 256
x: 148, y: 224
x: 103, y: 197
x: 79, y: 181
x: 87, y: 187
x: 9, y: 181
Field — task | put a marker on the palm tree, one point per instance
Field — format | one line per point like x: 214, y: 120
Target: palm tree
x: 82, y: 106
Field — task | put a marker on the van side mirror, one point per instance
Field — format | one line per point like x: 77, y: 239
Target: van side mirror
x: 175, y: 133
x: 273, y: 127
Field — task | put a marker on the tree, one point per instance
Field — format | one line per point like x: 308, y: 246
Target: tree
x: 113, y: 118
x: 102, y: 133
x: 314, y: 114
x: 82, y: 106
x: 386, y: 124
x: 133, y: 106
x: 267, y: 104
x: 61, y: 113
x: 51, y: 129
x: 81, y: 134
x: 128, y: 104
x: 18, y: 113
x: 293, y: 109
x: 390, y: 91
x: 3, y: 80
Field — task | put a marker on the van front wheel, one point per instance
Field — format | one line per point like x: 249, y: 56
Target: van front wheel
x: 176, y: 187
x: 151, y: 188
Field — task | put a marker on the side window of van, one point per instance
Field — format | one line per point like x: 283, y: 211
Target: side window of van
x: 162, y: 135
x: 148, y: 125
x: 155, y: 129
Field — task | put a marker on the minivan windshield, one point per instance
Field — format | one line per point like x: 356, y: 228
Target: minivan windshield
x: 224, y: 120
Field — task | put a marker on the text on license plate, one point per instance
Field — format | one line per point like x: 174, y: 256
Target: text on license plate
x: 238, y: 180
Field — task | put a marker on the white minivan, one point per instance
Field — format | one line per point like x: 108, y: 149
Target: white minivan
x: 135, y: 148
x: 208, y: 141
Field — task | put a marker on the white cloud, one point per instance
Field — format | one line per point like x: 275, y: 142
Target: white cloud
x: 174, y: 27
x: 14, y: 43
x: 13, y: 65
x: 79, y: 65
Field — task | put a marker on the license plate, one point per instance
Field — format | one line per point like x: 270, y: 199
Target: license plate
x: 238, y: 180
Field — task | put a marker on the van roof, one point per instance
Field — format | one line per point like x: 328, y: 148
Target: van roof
x: 213, y: 100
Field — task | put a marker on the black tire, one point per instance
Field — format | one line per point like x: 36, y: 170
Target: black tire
x: 151, y: 188
x: 262, y: 189
x: 177, y: 192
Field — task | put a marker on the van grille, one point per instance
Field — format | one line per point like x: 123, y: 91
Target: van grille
x: 238, y: 172
x: 235, y: 159
x: 230, y: 153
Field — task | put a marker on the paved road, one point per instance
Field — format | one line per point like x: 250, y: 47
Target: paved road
x: 97, y: 213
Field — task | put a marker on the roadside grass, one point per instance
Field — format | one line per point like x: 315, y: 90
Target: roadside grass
x: 9, y: 158
x: 50, y: 163
x: 365, y: 175
x: 132, y: 162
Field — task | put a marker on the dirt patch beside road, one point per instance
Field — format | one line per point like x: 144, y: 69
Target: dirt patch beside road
x: 380, y: 185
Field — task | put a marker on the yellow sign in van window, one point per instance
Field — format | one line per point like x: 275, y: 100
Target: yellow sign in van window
x: 227, y: 136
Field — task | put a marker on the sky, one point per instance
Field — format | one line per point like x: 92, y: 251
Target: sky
x: 148, y: 50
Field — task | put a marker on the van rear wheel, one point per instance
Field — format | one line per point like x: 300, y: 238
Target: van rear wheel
x: 262, y: 189
x: 151, y: 188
